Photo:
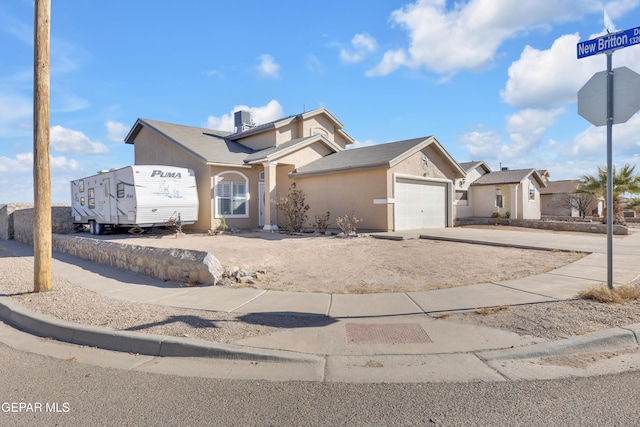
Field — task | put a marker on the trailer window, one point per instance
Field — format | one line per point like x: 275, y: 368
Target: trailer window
x: 81, y: 201
x: 120, y: 190
x: 92, y: 198
x: 81, y: 186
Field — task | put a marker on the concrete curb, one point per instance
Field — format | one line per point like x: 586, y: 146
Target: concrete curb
x: 136, y: 342
x: 605, y: 340
x: 497, y: 244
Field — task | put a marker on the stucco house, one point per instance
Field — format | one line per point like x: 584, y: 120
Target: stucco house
x: 554, y: 198
x: 464, y: 196
x: 515, y: 193
x: 394, y: 186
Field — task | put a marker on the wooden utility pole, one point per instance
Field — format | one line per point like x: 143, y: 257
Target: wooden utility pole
x: 41, y: 169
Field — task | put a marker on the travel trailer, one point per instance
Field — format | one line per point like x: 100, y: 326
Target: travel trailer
x: 135, y: 197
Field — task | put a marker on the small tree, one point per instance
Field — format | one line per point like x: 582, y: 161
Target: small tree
x: 582, y: 202
x: 294, y: 209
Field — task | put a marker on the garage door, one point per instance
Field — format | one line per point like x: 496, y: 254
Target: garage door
x: 420, y: 204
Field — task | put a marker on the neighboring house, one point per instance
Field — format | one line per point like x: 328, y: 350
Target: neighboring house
x: 512, y: 192
x: 555, y: 198
x: 395, y: 186
x: 546, y: 176
x: 464, y: 198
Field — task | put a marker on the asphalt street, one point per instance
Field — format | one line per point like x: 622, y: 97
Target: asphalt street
x: 75, y: 394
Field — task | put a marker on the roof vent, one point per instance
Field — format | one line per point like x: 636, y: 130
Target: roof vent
x: 504, y: 168
x: 242, y: 121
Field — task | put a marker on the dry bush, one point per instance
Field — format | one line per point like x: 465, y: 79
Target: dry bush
x: 441, y: 315
x: 491, y: 310
x: 348, y: 223
x: 618, y: 295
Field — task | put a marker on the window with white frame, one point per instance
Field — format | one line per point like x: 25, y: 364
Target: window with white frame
x: 231, y: 196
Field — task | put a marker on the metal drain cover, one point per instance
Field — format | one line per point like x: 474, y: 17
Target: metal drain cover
x: 386, y: 333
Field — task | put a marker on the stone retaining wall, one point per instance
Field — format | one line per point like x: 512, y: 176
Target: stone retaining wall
x: 61, y: 222
x: 584, y: 227
x: 6, y: 219
x: 179, y: 265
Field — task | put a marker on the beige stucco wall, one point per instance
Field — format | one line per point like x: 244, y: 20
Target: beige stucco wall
x: 464, y: 208
x: 344, y: 193
x: 484, y: 200
x: 530, y: 208
x: 293, y: 130
x: 305, y: 155
x: 436, y: 168
x: 515, y: 200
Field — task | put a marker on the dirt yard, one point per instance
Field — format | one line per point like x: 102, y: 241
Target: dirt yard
x: 361, y: 264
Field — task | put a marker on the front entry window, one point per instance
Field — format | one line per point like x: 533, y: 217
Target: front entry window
x: 231, y: 196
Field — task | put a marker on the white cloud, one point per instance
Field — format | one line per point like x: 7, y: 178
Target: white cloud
x: 545, y: 78
x: 362, y: 44
x: 315, y: 65
x: 72, y: 141
x: 215, y: 73
x: 592, y: 142
x: 23, y: 162
x: 466, y: 35
x: 20, y: 188
x: 360, y: 144
x: 484, y: 145
x: 526, y: 129
x: 15, y: 112
x: 268, y: 67
x: 392, y: 60
x: 116, y: 131
x: 268, y: 113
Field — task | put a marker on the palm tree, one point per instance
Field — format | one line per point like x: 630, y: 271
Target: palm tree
x: 623, y: 182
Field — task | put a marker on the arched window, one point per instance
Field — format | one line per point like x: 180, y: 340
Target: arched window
x: 231, y: 195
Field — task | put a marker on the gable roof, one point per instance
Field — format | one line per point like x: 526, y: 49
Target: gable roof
x: 515, y: 176
x: 274, y: 153
x: 211, y: 147
x: 561, y: 187
x: 290, y: 119
x: 469, y: 166
x: 371, y: 157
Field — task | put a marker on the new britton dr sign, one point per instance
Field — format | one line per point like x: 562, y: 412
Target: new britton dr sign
x: 609, y: 42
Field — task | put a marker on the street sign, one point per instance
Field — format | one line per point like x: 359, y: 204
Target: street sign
x: 592, y: 97
x: 600, y: 91
x: 609, y: 42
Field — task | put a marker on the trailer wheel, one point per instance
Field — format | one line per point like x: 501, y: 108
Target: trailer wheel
x: 92, y: 227
x: 100, y: 229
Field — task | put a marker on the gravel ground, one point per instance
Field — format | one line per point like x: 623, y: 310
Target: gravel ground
x: 73, y: 303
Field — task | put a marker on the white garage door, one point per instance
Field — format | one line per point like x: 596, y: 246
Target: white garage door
x: 420, y: 204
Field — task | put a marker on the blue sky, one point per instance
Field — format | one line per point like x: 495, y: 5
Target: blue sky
x: 492, y: 80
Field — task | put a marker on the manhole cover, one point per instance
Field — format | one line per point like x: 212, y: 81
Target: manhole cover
x: 387, y: 333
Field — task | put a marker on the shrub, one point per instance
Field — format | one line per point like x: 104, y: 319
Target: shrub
x: 495, y: 215
x: 321, y: 222
x: 294, y: 209
x: 491, y: 310
x: 348, y: 223
x: 618, y: 295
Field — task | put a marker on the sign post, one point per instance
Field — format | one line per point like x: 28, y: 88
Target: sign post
x: 586, y: 108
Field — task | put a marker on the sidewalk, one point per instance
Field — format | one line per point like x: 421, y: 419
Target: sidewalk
x: 365, y: 337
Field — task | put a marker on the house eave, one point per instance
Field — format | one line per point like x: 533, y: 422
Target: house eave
x: 295, y: 174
